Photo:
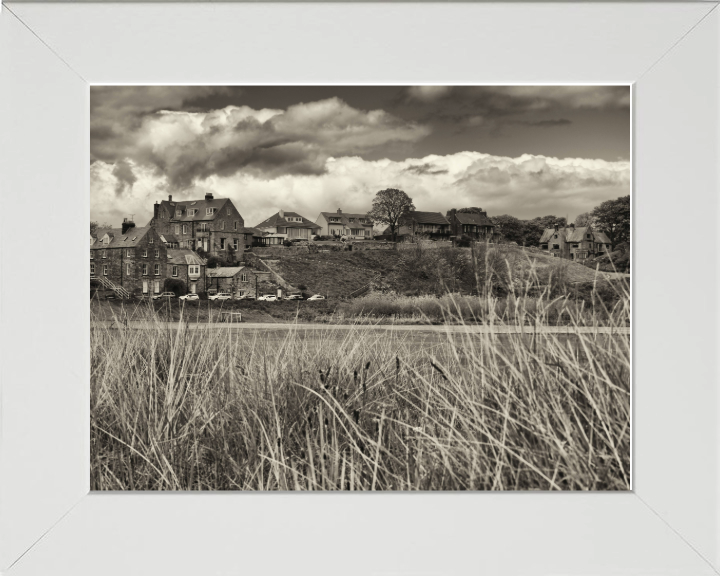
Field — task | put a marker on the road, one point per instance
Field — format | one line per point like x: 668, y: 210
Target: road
x: 281, y: 327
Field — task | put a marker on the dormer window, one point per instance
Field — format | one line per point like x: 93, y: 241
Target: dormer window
x: 178, y: 214
x: 209, y: 211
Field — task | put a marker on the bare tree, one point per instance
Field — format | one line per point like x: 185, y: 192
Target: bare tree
x: 391, y: 207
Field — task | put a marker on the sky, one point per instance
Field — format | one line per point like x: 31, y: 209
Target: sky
x: 526, y: 151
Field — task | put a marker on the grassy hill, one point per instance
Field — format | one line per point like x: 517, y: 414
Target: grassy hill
x: 420, y: 271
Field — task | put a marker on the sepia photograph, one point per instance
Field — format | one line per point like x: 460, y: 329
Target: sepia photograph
x: 360, y: 288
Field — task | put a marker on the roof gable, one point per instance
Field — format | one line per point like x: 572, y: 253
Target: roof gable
x: 428, y: 218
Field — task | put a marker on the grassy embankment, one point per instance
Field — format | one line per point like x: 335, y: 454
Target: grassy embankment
x: 198, y: 410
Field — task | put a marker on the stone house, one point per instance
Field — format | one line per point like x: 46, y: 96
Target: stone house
x: 128, y: 260
x: 354, y: 226
x: 430, y: 225
x: 213, y: 225
x: 574, y: 243
x: 285, y: 226
x: 233, y: 279
x: 474, y: 225
x: 186, y: 265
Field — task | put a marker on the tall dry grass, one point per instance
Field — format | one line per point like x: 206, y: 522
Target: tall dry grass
x: 362, y: 409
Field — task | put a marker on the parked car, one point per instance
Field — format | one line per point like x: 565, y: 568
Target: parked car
x: 245, y: 297
x: 316, y: 297
x: 190, y: 297
x: 164, y: 295
x: 293, y: 297
x: 220, y: 296
x: 268, y: 298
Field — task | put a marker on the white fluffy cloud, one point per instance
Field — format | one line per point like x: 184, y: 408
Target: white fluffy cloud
x: 525, y: 187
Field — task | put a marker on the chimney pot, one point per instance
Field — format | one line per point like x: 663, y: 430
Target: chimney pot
x: 208, y: 196
x: 339, y: 211
x: 127, y: 224
x: 169, y: 197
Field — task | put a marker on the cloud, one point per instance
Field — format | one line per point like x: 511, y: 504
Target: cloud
x: 545, y: 123
x: 191, y: 146
x: 428, y: 93
x: 524, y: 186
x: 124, y: 176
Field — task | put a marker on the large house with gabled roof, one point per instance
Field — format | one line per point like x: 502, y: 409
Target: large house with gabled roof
x: 128, y: 260
x: 475, y: 225
x: 574, y: 243
x: 283, y: 226
x: 211, y: 224
x: 354, y: 226
x: 417, y: 224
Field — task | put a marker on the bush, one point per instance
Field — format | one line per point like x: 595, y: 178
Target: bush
x: 175, y: 285
x: 287, y: 242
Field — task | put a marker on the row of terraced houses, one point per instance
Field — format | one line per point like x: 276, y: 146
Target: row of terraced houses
x: 175, y: 243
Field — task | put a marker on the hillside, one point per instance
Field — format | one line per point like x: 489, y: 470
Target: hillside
x: 416, y: 271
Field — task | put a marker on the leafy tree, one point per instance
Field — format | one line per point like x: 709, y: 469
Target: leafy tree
x: 612, y: 218
x: 214, y: 262
x: 510, y: 228
x: 94, y: 226
x: 391, y: 207
x: 584, y: 219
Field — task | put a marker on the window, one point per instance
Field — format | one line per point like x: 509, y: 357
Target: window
x: 588, y: 235
x: 228, y: 211
x: 222, y: 243
x: 92, y: 269
x: 203, y: 227
x: 236, y: 244
x: 177, y: 228
x: 178, y: 214
x: 157, y: 269
x: 145, y: 287
x: 281, y: 230
x: 145, y: 269
x: 92, y: 255
x: 127, y: 270
x: 235, y: 226
x: 128, y: 253
x: 556, y: 246
x: 184, y: 229
x: 157, y: 254
x: 104, y: 269
x: 209, y: 211
x: 145, y: 253
x: 222, y: 225
x: 151, y: 240
x: 157, y: 286
x: 104, y: 254
x: 243, y: 277
x: 175, y: 271
x: 575, y: 245
x: 194, y: 270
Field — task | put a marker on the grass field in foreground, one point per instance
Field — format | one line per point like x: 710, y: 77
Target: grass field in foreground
x: 221, y: 410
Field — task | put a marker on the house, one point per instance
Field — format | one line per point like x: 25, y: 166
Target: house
x: 184, y: 264
x: 431, y: 225
x: 286, y: 226
x: 212, y: 225
x: 475, y: 225
x: 128, y: 260
x: 574, y: 243
x: 253, y: 236
x: 354, y: 226
x: 235, y: 279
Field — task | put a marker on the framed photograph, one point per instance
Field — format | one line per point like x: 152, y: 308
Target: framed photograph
x: 367, y: 249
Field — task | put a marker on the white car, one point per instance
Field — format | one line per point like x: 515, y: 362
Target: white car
x: 190, y: 297
x: 245, y: 297
x: 164, y: 295
x: 316, y: 297
x: 220, y: 296
x: 268, y: 298
x: 293, y: 297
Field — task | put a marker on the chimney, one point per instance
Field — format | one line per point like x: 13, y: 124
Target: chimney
x: 557, y: 227
x: 155, y: 210
x: 281, y: 213
x: 339, y: 211
x: 169, y: 197
x: 127, y: 224
x: 208, y: 196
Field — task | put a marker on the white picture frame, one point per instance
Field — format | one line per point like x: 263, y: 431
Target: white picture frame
x: 49, y: 522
